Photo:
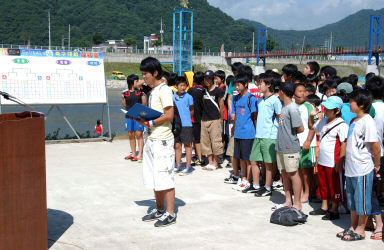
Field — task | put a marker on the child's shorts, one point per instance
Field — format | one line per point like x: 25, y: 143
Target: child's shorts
x: 330, y: 184
x: 132, y: 125
x: 242, y: 149
x: 211, y: 142
x: 186, y: 135
x: 359, y: 191
x: 288, y: 162
x: 231, y: 147
x: 263, y: 150
x: 307, y: 158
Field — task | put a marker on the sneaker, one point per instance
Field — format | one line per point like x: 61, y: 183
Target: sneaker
x: 153, y: 215
x: 244, y: 186
x: 250, y: 189
x: 331, y: 216
x: 238, y: 184
x: 166, y: 220
x: 263, y: 192
x: 177, y: 169
x: 220, y: 159
x: 231, y: 179
x: 277, y: 185
x: 318, y: 212
x: 199, y: 162
x: 186, y: 171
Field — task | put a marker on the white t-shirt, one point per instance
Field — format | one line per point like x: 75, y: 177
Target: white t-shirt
x: 379, y: 120
x: 358, y: 160
x: 161, y: 97
x: 330, y: 144
x: 304, y: 109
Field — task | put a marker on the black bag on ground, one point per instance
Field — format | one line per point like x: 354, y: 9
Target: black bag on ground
x: 288, y: 216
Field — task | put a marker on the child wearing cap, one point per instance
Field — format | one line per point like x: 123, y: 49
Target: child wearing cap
x: 333, y: 135
x: 288, y: 146
x: 362, y: 162
x: 213, y: 106
x: 344, y: 91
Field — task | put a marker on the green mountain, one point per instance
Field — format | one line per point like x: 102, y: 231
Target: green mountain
x: 352, y: 31
x: 116, y: 19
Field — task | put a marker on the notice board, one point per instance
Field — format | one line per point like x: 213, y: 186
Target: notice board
x: 52, y: 76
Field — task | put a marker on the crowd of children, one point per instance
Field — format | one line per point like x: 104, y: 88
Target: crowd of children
x: 317, y: 136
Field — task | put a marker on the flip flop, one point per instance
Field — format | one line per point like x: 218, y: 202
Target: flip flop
x: 307, y: 201
x: 345, y: 232
x: 377, y: 235
x: 134, y: 159
x: 209, y: 167
x: 128, y: 157
x: 140, y: 160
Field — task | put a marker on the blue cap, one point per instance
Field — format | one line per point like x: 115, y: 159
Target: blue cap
x: 333, y: 102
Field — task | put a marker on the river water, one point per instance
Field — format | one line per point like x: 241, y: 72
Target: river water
x: 82, y: 117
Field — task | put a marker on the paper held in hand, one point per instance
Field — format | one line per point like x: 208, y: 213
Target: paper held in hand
x: 139, y: 110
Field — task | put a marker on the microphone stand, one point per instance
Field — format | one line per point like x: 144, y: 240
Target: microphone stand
x: 16, y: 100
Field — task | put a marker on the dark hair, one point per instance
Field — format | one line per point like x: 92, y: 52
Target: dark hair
x: 353, y: 79
x: 344, y: 95
x: 172, y: 79
x: 345, y: 79
x: 198, y: 77
x: 313, y: 99
x: 363, y: 98
x: 98, y: 122
x: 330, y: 84
x: 376, y: 86
x: 369, y: 75
x: 229, y: 79
x: 298, y: 85
x: 151, y: 64
x: 181, y: 79
x: 131, y: 80
x: 328, y: 71
x: 289, y: 69
x: 287, y: 88
x: 243, y: 79
x: 298, y: 76
x: 310, y: 88
x: 221, y: 75
x: 236, y: 66
x: 247, y: 70
x: 267, y: 79
x: 314, y: 66
x: 166, y: 75
x: 312, y: 78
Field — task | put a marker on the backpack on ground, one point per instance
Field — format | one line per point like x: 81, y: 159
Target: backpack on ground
x: 288, y: 216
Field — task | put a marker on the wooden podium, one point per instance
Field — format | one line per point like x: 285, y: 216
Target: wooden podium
x: 23, y: 202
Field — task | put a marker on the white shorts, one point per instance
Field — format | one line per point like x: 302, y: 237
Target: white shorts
x: 158, y: 164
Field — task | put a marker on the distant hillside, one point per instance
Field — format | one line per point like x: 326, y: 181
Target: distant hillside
x: 350, y: 31
x: 116, y: 19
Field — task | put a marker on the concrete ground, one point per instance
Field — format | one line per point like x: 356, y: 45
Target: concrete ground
x: 96, y: 200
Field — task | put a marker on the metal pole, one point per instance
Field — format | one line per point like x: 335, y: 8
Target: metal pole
x: 49, y: 30
x: 69, y: 37
x: 69, y: 124
x: 253, y: 43
x: 109, y: 117
x: 302, y: 50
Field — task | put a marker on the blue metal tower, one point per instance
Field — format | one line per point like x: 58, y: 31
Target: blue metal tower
x: 374, y: 29
x: 261, y: 38
x: 182, y: 41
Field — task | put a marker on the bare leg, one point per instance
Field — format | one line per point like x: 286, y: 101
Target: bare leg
x: 235, y: 166
x: 324, y: 205
x: 198, y: 150
x: 287, y: 189
x: 170, y: 200
x: 178, y: 154
x: 249, y: 171
x: 269, y: 173
x: 132, y: 142
x: 255, y: 173
x: 334, y: 207
x: 243, y: 167
x: 188, y: 154
x: 159, y: 195
x: 297, y: 187
x: 379, y: 223
x: 214, y: 163
x: 140, y: 141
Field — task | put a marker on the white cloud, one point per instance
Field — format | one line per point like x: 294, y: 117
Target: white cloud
x: 294, y: 14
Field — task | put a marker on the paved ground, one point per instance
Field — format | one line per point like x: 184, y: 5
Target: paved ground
x: 96, y: 200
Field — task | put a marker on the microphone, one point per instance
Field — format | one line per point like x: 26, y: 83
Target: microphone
x: 6, y: 95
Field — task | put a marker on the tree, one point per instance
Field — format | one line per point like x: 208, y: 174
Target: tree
x: 129, y: 41
x: 97, y: 39
x: 197, y: 44
x: 84, y: 43
x: 271, y: 44
x: 248, y: 48
x: 157, y: 43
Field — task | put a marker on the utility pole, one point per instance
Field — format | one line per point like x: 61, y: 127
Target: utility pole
x: 49, y: 30
x: 69, y: 37
x: 330, y: 44
x: 253, y: 43
x: 161, y: 34
x: 302, y: 50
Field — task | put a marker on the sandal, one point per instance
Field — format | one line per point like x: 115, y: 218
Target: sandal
x: 128, y: 157
x: 209, y: 167
x: 140, y: 160
x: 345, y: 232
x: 377, y: 235
x: 353, y: 237
x: 134, y: 159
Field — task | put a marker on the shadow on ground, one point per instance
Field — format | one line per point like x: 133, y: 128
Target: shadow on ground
x: 151, y: 204
x: 57, y: 222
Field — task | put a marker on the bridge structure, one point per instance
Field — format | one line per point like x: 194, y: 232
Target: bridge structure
x: 373, y: 50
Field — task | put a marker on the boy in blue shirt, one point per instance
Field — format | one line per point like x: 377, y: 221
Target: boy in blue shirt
x: 245, y: 111
x: 263, y: 149
x: 184, y: 104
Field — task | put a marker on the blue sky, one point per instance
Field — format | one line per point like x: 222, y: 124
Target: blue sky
x: 294, y: 14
